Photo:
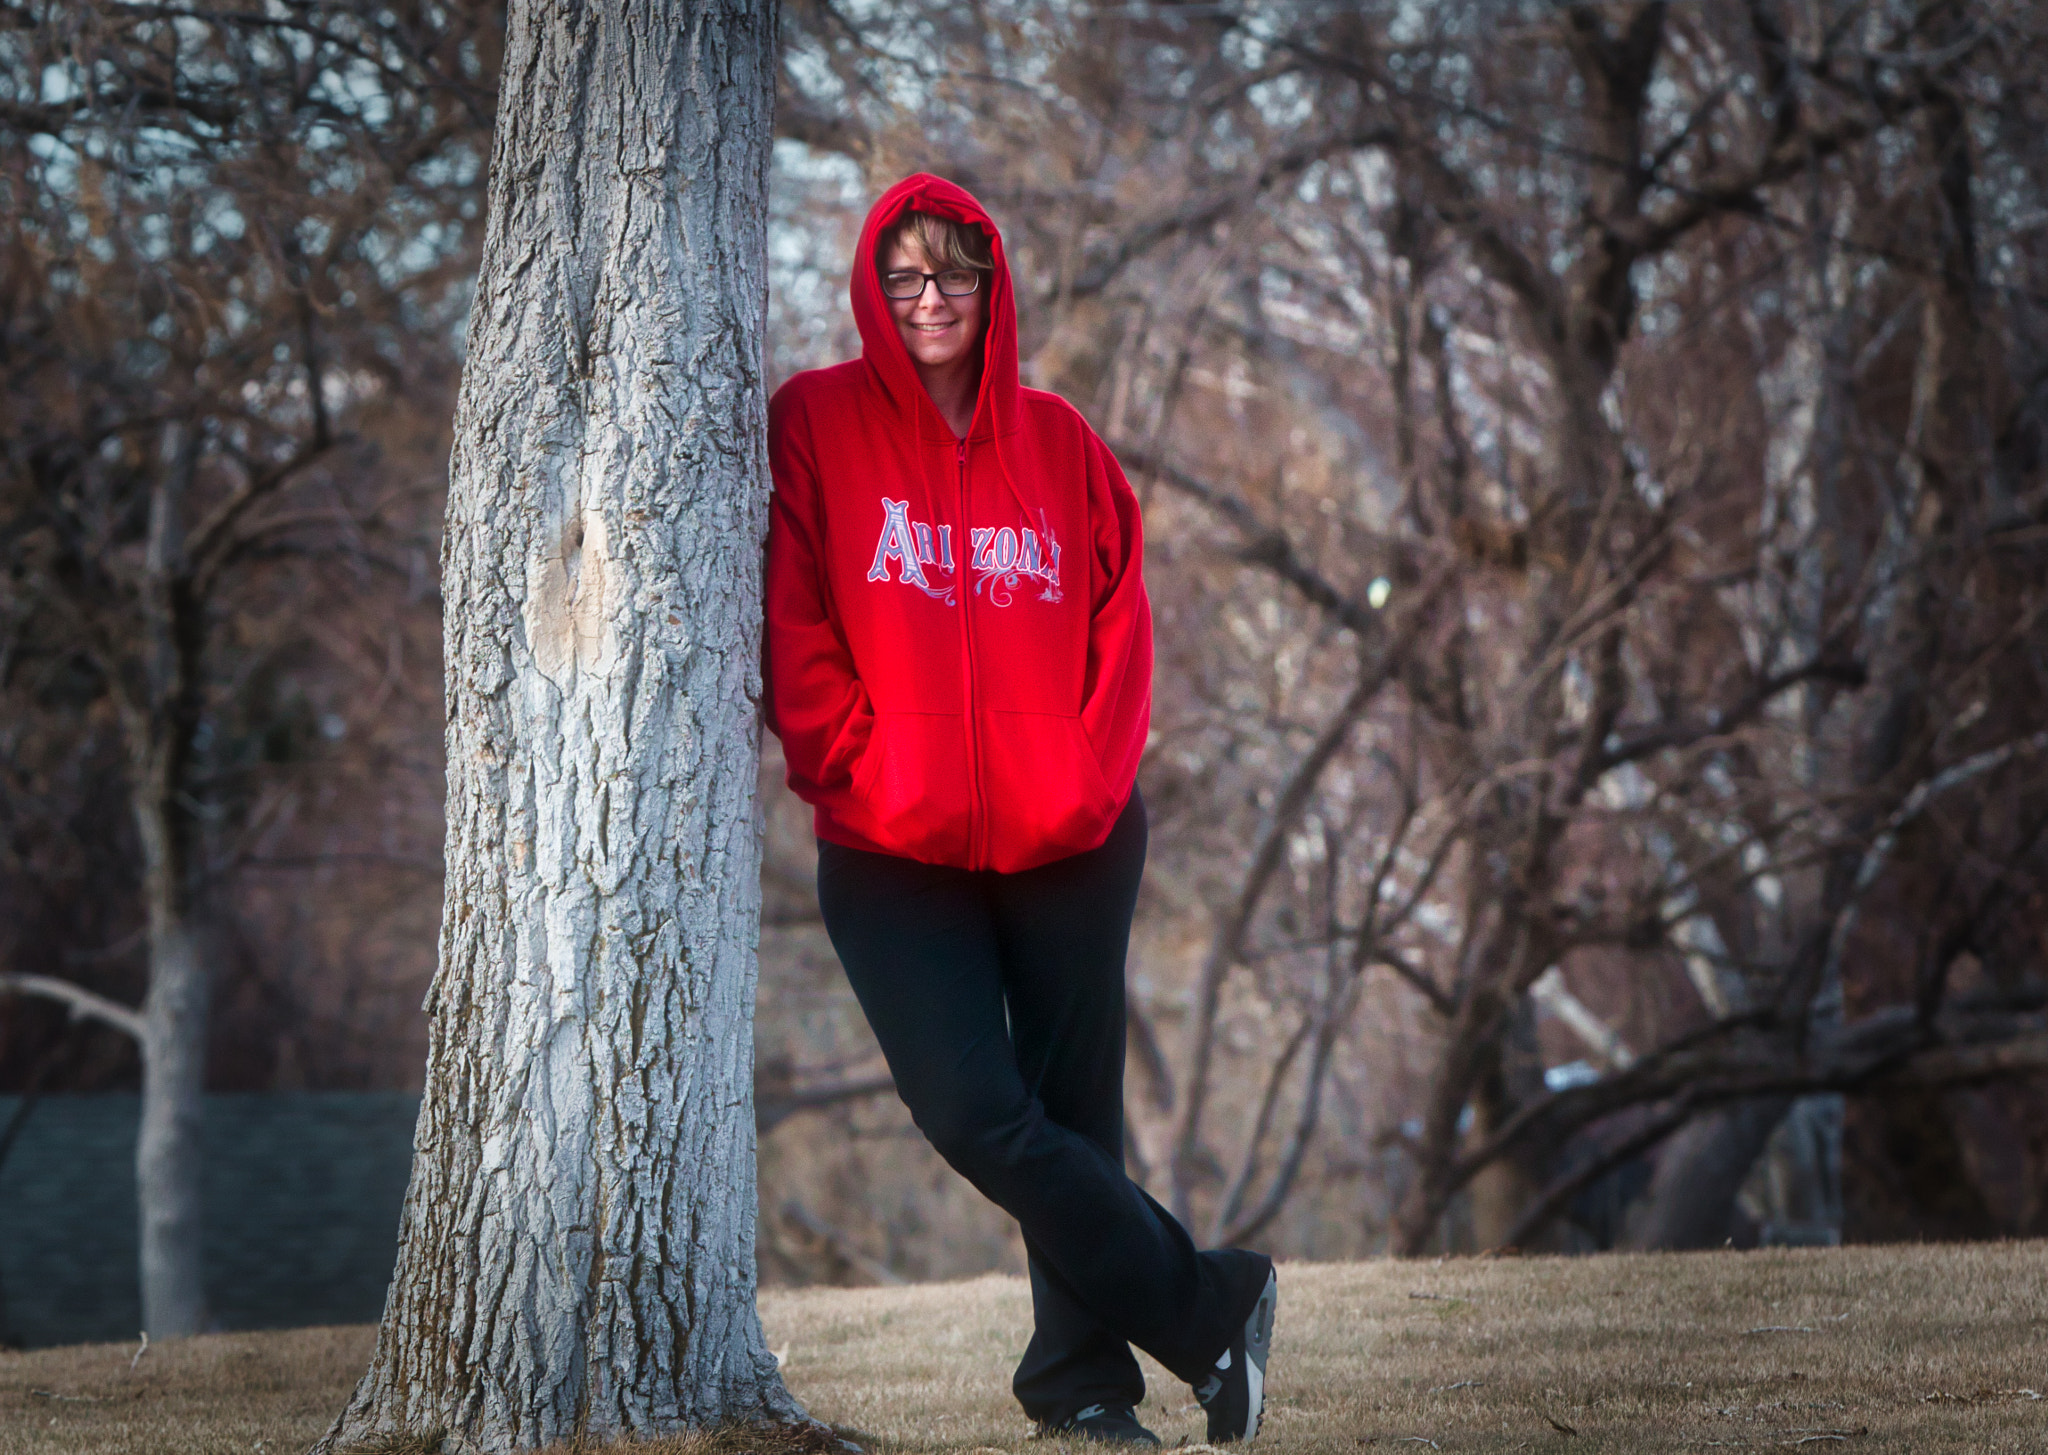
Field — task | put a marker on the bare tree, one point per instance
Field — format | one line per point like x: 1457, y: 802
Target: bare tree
x: 177, y: 417
x: 1664, y: 336
x: 577, y: 1253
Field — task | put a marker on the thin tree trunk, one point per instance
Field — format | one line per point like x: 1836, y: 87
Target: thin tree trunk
x: 167, y: 1143
x: 1505, y: 1187
x: 577, y: 1248
x: 172, y: 1044
x: 1233, y: 924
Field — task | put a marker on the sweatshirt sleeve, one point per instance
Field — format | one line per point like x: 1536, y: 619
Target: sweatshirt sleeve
x: 815, y: 704
x: 1116, y: 692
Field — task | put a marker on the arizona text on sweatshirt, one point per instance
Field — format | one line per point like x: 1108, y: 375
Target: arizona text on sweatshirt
x: 959, y: 645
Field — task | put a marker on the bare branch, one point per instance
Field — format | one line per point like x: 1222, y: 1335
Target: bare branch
x: 1143, y: 1040
x: 802, y: 1217
x: 798, y: 118
x: 771, y: 1109
x: 1556, y: 1197
x: 1265, y: 545
x: 1227, y: 945
x: 84, y: 1004
x: 1223, y: 1229
x: 1976, y: 1064
x: 1440, y: 1000
x: 1200, y: 212
x: 1743, y: 1056
x: 1880, y: 850
x: 213, y: 534
x: 1595, y: 1034
x: 1641, y: 742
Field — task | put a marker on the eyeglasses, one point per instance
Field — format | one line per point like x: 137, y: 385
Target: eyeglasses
x: 908, y: 284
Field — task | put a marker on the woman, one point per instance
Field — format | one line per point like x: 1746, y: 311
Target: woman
x: 959, y: 666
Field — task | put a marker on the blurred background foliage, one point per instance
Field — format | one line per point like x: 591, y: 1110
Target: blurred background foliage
x: 1597, y: 524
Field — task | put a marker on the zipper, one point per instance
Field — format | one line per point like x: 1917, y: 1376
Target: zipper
x: 976, y: 812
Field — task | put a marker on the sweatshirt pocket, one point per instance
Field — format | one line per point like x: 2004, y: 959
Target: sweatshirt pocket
x: 911, y: 786
x: 1044, y: 789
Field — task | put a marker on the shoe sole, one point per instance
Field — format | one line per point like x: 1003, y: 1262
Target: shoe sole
x: 1258, y: 1338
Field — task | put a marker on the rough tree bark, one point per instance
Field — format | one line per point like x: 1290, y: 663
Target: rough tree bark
x: 577, y: 1248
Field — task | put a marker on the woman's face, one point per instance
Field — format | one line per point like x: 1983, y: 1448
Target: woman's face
x: 939, y: 331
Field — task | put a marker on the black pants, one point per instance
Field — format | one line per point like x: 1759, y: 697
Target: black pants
x: 998, y: 1000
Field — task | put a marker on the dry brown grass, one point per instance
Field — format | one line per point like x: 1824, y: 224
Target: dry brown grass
x: 1918, y: 1349
x: 270, y: 1394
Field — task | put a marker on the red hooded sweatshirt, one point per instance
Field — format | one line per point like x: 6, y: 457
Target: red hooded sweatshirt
x: 959, y: 647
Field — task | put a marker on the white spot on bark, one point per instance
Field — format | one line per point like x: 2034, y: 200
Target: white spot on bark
x: 572, y: 602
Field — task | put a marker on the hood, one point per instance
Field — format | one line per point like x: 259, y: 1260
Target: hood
x: 995, y: 410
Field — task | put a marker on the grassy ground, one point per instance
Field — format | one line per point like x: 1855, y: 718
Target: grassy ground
x: 1865, y: 1349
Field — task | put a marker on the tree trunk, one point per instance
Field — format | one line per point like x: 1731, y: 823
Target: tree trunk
x: 172, y: 1045
x: 167, y: 1143
x: 1504, y: 1189
x: 1691, y: 1198
x: 577, y: 1248
x: 1795, y: 1190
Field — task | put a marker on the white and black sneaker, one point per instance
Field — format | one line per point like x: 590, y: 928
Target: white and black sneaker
x: 1234, y: 1392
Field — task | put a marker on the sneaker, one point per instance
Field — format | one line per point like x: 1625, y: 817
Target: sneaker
x: 1234, y: 1393
x: 1117, y: 1423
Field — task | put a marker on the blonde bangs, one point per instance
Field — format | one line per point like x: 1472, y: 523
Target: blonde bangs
x: 948, y: 244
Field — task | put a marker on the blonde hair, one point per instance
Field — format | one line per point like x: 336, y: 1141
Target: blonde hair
x: 948, y: 244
